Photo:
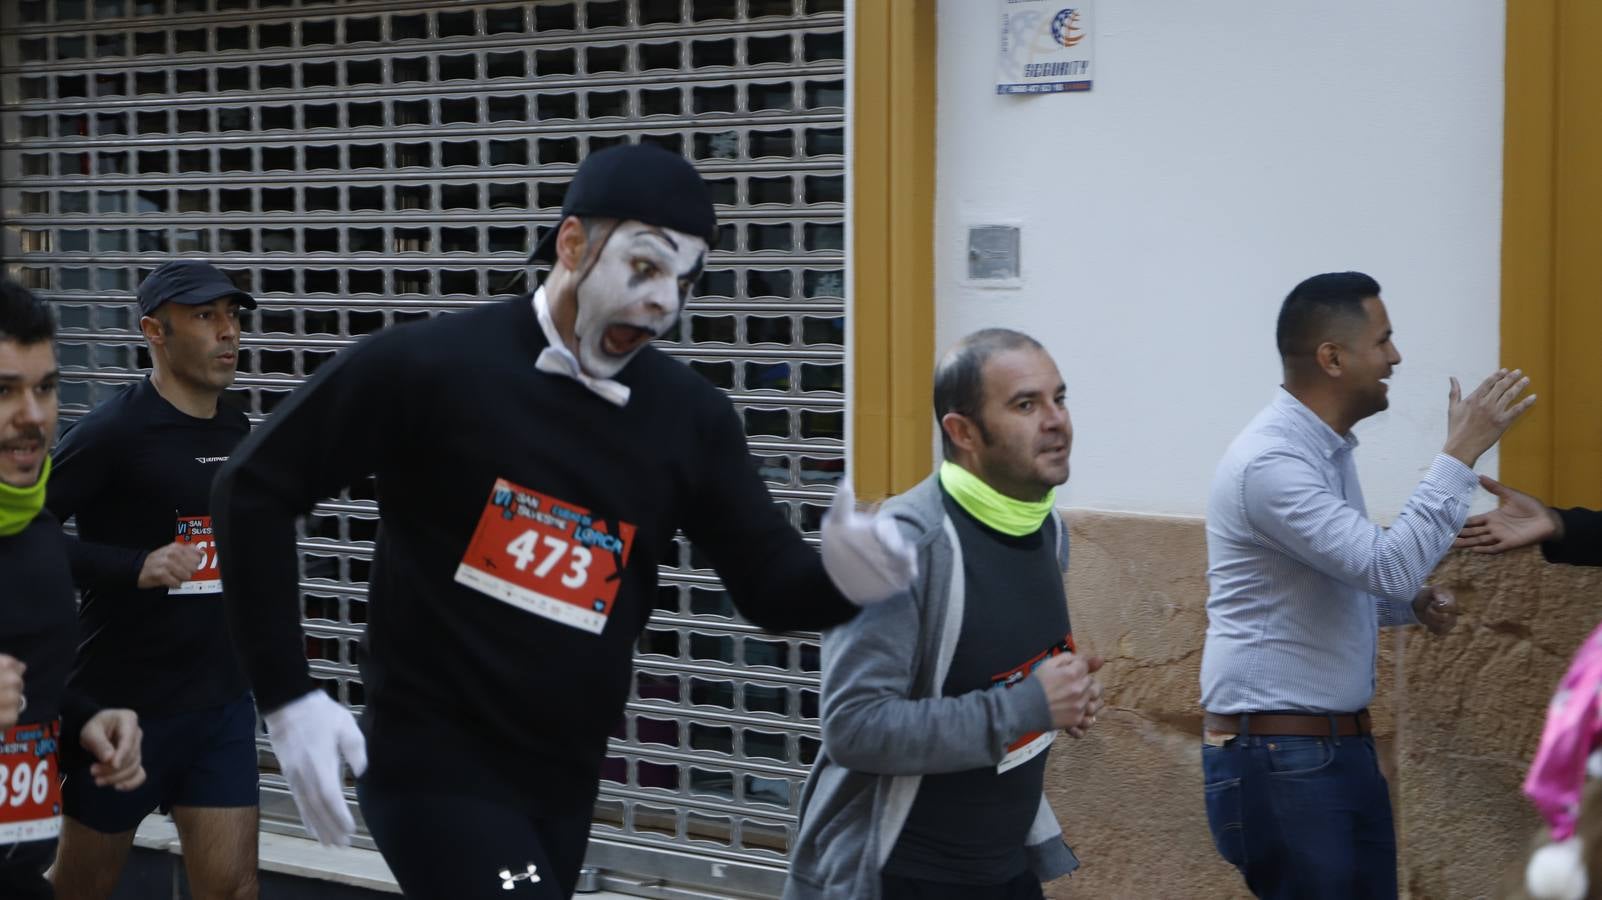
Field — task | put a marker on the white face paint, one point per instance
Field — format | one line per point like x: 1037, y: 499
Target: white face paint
x: 633, y: 294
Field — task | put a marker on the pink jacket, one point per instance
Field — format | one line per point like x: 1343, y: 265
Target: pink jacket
x: 1573, y: 731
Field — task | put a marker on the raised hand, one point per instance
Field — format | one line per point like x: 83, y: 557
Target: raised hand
x: 1476, y: 422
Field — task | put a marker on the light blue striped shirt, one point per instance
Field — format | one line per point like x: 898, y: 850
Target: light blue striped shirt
x: 1299, y: 579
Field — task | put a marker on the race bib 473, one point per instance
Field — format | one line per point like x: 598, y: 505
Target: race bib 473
x: 30, y: 786
x: 547, y: 556
x: 195, y: 531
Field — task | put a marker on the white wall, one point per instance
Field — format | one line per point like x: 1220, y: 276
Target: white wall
x: 1228, y: 150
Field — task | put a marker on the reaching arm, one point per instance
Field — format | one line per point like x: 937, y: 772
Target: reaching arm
x: 773, y: 576
x: 1289, y: 506
x: 328, y: 434
x: 1580, y: 541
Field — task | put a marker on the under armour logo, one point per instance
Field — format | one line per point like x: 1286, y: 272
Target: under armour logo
x: 509, y: 881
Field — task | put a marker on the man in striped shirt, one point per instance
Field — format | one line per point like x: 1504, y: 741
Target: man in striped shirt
x: 1300, y: 582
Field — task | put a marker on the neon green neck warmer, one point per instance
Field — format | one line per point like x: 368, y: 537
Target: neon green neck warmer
x: 1006, y: 515
x: 18, y: 506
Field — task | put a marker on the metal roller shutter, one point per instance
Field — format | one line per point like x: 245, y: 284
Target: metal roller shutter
x: 359, y: 164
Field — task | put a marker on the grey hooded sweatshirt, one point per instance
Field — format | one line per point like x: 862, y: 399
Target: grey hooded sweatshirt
x: 886, y: 724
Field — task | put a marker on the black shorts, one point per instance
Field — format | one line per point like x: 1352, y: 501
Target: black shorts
x: 458, y: 846
x: 201, y: 758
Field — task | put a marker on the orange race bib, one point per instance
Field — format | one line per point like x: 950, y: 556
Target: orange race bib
x: 195, y: 531
x: 30, y: 785
x: 1030, y: 745
x: 547, y: 556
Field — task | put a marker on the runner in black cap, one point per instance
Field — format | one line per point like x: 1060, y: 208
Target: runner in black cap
x: 137, y: 473
x: 534, y: 459
x: 38, y: 630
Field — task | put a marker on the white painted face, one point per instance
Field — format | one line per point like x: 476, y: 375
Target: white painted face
x: 633, y: 294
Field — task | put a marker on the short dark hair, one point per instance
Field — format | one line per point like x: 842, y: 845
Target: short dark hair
x: 24, y: 318
x: 959, y: 377
x: 1315, y: 304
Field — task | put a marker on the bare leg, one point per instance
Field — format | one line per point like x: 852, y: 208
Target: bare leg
x: 88, y: 863
x: 219, y: 844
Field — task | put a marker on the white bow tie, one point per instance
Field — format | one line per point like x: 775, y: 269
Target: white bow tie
x: 558, y: 360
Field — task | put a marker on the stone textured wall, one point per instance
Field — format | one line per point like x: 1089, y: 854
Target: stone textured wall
x: 1457, y: 717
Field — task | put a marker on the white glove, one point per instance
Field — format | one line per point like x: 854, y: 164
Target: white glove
x: 865, y: 555
x: 310, y: 735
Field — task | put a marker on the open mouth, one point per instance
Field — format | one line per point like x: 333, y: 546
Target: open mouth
x: 623, y: 339
x: 22, y: 454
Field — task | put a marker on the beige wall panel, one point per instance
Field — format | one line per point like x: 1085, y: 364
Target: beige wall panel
x: 1457, y: 718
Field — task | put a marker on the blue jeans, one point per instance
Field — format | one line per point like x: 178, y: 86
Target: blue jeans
x: 1303, y: 817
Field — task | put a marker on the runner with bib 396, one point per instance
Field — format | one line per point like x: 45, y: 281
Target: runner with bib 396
x: 39, y: 715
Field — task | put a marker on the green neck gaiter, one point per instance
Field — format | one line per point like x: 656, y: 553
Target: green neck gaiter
x: 18, y: 506
x: 1006, y: 515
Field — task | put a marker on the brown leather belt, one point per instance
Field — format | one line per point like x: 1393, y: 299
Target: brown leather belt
x: 1300, y: 724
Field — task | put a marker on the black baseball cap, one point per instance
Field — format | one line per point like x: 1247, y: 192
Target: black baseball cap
x: 189, y: 282
x: 639, y: 182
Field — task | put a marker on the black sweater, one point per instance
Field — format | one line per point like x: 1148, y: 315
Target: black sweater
x: 38, y: 623
x: 128, y: 471
x: 1582, y: 539
x: 441, y: 411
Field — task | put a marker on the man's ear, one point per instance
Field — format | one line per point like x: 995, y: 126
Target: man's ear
x: 961, y: 430
x: 153, y: 330
x: 571, y: 242
x: 1328, y: 356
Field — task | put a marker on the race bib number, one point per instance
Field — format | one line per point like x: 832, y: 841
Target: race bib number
x: 195, y: 531
x: 546, y: 556
x: 30, y: 785
x: 1030, y: 745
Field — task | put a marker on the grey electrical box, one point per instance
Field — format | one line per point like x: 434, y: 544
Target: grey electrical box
x: 993, y: 255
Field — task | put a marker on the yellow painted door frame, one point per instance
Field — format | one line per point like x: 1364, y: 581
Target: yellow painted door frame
x: 1552, y: 246
x: 892, y: 75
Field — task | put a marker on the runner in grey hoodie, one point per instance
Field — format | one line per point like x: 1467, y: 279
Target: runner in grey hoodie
x: 939, y: 706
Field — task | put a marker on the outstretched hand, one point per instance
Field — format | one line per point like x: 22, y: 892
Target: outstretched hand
x: 1518, y: 521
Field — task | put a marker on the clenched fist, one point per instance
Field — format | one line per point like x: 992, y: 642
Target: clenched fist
x: 1073, y: 691
x: 12, y: 701
x: 170, y: 566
